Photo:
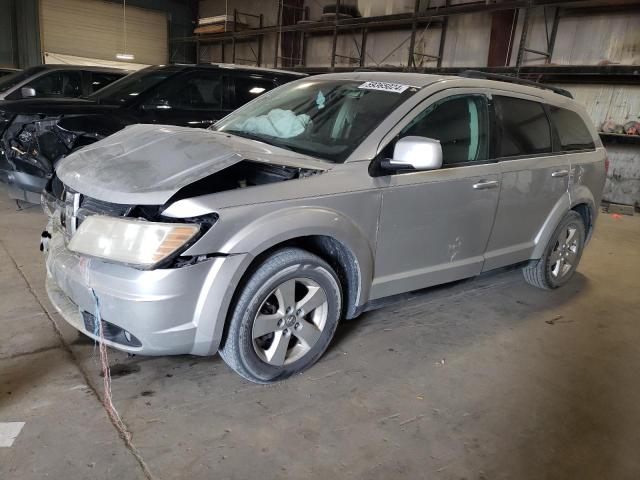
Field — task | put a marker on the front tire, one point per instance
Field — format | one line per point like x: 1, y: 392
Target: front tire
x: 284, y: 317
x: 561, y: 257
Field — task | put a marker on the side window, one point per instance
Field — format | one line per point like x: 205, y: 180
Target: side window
x: 460, y: 123
x: 573, y: 133
x: 524, y: 127
x: 200, y: 90
x: 58, y: 84
x: 248, y: 88
x: 101, y: 79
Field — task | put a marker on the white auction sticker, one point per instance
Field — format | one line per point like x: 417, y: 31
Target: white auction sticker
x: 384, y: 86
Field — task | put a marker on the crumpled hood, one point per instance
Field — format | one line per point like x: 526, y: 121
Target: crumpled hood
x: 148, y: 164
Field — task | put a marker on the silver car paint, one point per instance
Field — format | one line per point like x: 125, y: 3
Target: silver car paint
x: 405, y: 231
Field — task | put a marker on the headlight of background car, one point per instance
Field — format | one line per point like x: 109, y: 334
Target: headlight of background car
x: 134, y: 242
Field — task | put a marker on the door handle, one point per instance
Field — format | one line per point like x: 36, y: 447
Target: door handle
x: 560, y: 173
x: 484, y: 184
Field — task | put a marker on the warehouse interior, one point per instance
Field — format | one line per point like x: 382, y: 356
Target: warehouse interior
x: 481, y: 378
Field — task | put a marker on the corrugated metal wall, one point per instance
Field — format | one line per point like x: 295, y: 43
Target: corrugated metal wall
x: 620, y: 103
x: 585, y: 39
x: 581, y: 39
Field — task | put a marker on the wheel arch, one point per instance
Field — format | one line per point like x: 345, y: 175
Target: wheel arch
x: 324, y: 231
x: 583, y: 202
x: 338, y: 255
x: 579, y: 200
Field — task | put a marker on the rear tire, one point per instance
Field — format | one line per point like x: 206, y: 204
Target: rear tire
x: 284, y: 317
x: 561, y: 257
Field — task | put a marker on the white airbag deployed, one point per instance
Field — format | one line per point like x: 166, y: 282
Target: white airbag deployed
x: 277, y: 123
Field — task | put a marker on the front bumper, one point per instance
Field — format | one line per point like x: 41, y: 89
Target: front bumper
x: 170, y: 311
x: 23, y: 186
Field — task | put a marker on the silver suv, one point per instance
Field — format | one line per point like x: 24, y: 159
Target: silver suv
x: 254, y: 238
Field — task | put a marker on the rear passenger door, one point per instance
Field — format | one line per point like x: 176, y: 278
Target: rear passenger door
x: 534, y: 178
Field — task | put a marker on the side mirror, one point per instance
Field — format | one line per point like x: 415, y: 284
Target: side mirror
x: 27, y: 92
x: 415, y: 153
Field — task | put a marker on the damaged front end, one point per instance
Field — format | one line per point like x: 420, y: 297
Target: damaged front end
x: 67, y: 210
x: 31, y: 146
x: 108, y: 241
x: 135, y: 175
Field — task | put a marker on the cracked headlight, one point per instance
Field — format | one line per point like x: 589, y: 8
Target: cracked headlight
x: 135, y: 242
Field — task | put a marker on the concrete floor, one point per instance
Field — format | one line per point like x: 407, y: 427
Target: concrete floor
x: 485, y: 379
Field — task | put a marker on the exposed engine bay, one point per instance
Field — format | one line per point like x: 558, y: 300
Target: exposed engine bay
x: 242, y: 175
x: 35, y: 146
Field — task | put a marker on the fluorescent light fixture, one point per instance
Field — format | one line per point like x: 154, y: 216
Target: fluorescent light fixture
x: 256, y: 90
x: 124, y: 56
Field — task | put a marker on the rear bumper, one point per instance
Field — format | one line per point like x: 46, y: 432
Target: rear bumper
x: 22, y: 186
x: 164, y: 311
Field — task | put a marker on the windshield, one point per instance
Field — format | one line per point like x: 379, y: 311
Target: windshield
x: 12, y: 80
x: 322, y: 118
x: 127, y: 88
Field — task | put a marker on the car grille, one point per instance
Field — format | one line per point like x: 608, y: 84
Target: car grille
x: 94, y: 205
x: 75, y: 207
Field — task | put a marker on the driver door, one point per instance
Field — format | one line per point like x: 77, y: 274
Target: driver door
x: 435, y: 225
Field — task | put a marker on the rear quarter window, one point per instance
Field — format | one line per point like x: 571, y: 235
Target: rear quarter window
x: 572, y: 132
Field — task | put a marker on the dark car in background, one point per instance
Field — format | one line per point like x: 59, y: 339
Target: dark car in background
x: 54, y: 81
x: 7, y: 71
x: 36, y: 134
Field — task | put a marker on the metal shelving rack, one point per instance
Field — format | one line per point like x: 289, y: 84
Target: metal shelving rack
x: 433, y: 17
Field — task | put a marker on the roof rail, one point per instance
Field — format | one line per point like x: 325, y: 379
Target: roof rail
x: 510, y: 79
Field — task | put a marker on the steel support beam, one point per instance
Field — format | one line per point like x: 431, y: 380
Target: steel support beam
x: 523, y: 37
x: 335, y: 36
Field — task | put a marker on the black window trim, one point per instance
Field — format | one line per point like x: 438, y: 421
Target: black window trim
x: 498, y: 131
x: 491, y: 126
x: 555, y: 137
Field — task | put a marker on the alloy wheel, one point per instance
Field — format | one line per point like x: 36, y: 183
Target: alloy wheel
x: 290, y: 321
x: 564, y: 255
